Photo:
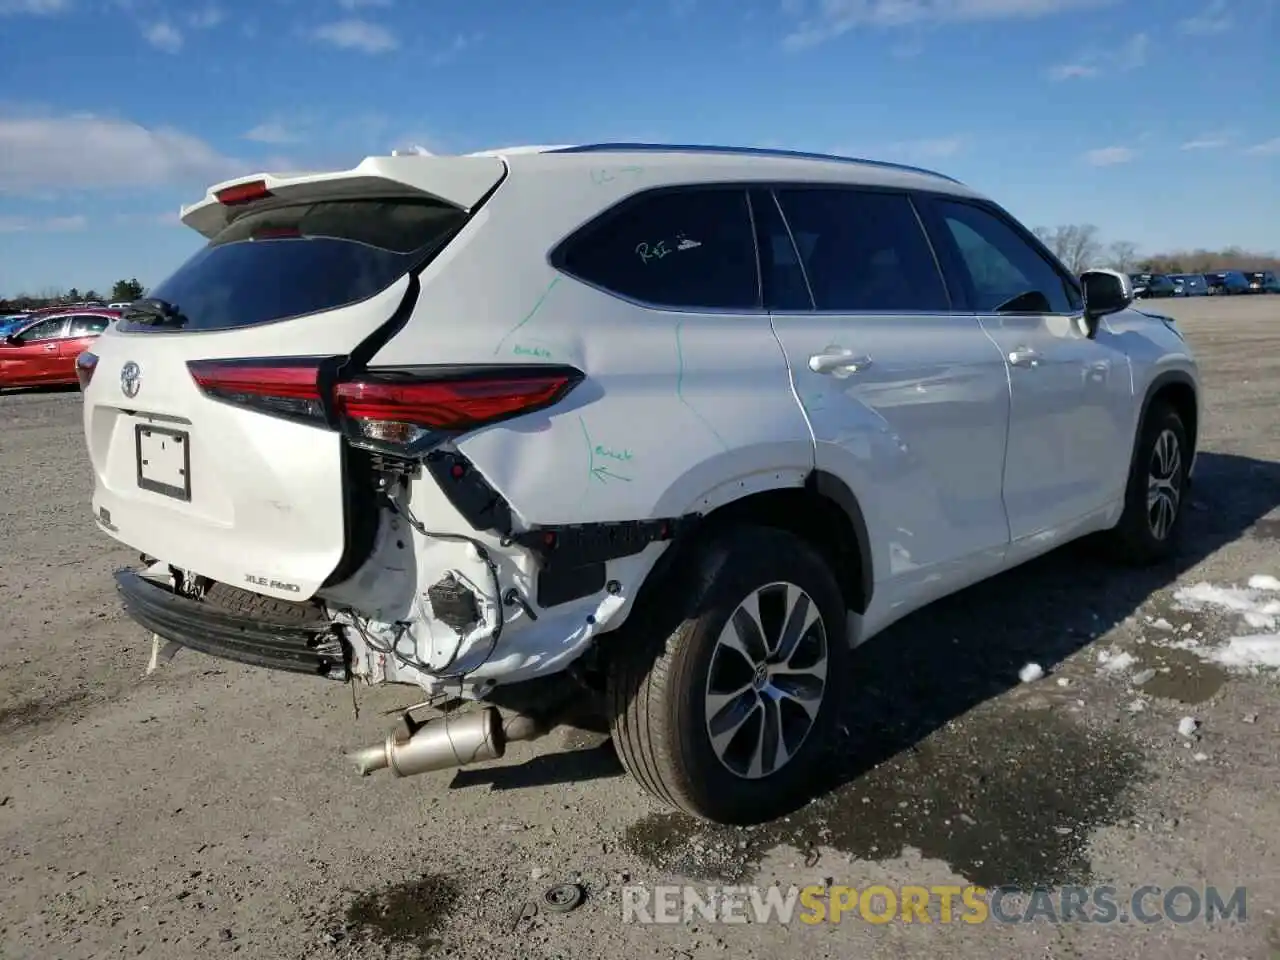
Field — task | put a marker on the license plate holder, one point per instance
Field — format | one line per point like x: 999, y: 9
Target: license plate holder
x: 164, y: 460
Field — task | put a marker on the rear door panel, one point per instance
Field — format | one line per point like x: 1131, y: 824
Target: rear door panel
x: 915, y: 424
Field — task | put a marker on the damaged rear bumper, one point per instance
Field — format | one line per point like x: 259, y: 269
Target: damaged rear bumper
x: 315, y: 649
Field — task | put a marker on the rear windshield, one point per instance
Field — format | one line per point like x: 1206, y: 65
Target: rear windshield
x: 304, y: 258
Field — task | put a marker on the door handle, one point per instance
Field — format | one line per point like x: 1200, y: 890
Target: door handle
x: 50, y: 347
x: 1024, y: 357
x: 838, y: 362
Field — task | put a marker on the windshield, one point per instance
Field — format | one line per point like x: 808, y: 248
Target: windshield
x: 302, y: 259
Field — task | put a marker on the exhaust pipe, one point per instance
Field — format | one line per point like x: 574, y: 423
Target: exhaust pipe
x: 448, y: 741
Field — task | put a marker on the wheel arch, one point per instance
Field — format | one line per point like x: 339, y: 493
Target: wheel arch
x: 1179, y: 389
x: 823, y: 512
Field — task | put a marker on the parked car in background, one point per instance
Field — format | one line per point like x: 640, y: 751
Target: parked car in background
x: 42, y: 351
x: 1151, y: 285
x: 1226, y: 282
x: 1262, y: 281
x: 119, y: 306
x: 11, y: 322
x: 1189, y: 284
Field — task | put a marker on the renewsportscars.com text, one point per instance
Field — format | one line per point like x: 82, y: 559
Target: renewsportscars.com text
x: 881, y: 904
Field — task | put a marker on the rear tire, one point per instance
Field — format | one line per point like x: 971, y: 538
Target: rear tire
x: 679, y: 679
x: 1155, y: 498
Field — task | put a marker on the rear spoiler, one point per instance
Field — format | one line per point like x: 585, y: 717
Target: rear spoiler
x: 460, y: 181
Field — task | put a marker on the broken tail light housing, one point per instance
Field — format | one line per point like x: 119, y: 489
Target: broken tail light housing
x: 86, y: 363
x: 398, y: 410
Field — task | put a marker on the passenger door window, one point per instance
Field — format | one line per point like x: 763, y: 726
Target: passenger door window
x: 49, y: 329
x: 674, y: 248
x: 87, y: 326
x: 863, y: 251
x: 1005, y: 273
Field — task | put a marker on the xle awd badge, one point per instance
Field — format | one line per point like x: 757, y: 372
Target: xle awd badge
x: 130, y: 379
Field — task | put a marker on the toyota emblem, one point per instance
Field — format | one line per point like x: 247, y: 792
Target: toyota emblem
x: 130, y: 379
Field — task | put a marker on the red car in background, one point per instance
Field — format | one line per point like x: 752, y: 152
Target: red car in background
x: 43, y: 352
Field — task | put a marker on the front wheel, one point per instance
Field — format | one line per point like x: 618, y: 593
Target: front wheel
x: 1154, y: 498
x: 722, y: 704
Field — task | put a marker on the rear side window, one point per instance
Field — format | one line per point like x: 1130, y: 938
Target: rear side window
x: 863, y: 251
x: 86, y: 326
x: 305, y: 258
x: 678, y: 248
x: 1003, y: 268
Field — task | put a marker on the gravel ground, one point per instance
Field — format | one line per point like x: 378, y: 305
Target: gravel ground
x: 207, y: 810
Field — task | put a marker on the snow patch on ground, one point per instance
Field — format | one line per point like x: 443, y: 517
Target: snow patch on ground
x: 1118, y: 662
x: 1244, y: 653
x: 1257, y: 604
x: 1031, y: 673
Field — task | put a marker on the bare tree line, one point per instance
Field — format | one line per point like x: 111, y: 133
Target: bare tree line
x: 122, y: 291
x: 1080, y: 246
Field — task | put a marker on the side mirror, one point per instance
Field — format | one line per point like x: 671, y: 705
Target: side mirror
x: 1105, y: 292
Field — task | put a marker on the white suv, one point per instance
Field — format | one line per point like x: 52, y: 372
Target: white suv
x: 652, y: 433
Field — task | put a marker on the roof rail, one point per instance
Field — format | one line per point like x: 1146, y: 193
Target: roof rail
x: 743, y: 151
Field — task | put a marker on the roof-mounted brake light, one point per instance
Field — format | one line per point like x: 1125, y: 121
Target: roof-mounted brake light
x: 243, y: 193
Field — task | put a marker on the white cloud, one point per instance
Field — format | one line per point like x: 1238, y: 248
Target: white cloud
x: 271, y: 132
x: 163, y: 36
x: 43, y: 224
x: 85, y: 152
x: 1130, y: 55
x: 1210, y: 141
x: 1268, y: 148
x: 204, y: 19
x: 35, y: 8
x: 832, y: 18
x: 169, y: 218
x: 356, y: 35
x: 419, y: 143
x: 1109, y: 156
x: 1072, y: 71
x: 362, y: 4
x: 1212, y: 19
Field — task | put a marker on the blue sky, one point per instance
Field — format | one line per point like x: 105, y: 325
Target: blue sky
x: 1158, y: 121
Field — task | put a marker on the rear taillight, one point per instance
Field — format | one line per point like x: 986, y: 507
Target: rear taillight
x: 284, y: 388
x: 396, y: 409
x: 86, y: 363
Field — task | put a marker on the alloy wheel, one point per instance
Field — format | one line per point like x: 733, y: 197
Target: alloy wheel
x: 1164, y: 484
x: 766, y: 680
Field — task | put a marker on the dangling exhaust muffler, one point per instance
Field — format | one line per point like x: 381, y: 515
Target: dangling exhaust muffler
x: 448, y: 741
